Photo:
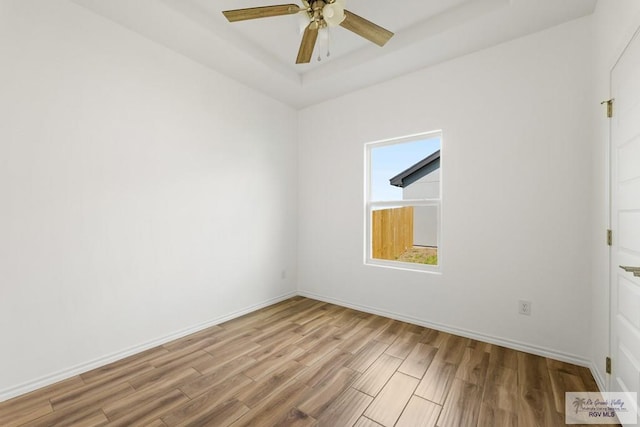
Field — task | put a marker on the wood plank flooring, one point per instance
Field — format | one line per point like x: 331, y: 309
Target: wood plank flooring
x: 308, y: 363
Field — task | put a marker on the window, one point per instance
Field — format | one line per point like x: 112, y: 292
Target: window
x: 403, y: 202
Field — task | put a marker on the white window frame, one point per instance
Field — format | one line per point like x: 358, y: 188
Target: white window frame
x: 370, y: 206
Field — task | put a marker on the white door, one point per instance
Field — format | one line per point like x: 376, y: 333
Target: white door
x: 625, y: 220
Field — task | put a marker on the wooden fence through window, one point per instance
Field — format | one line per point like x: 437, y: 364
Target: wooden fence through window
x: 392, y: 232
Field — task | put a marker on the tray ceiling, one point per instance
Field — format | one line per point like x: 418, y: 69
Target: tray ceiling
x: 261, y: 53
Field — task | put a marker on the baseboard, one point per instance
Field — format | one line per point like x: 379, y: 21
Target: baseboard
x: 84, y: 367
x: 47, y: 380
x: 515, y: 345
x: 602, y: 385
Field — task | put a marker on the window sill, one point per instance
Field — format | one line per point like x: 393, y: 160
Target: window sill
x: 404, y: 266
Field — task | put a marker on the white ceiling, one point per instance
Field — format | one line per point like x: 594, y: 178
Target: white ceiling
x: 261, y: 53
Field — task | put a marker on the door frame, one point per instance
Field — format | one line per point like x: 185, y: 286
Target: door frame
x: 629, y: 37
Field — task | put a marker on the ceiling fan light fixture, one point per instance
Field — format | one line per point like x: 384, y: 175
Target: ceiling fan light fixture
x: 333, y: 14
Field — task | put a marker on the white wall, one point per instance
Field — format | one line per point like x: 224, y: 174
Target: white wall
x: 141, y: 194
x: 516, y: 193
x: 614, y: 22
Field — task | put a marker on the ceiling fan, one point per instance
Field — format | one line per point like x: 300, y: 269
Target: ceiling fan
x: 322, y: 14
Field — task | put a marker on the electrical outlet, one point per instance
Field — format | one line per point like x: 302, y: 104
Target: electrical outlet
x: 283, y: 274
x: 524, y: 307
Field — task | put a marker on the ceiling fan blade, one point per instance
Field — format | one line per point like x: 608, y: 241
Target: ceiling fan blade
x: 366, y: 29
x: 308, y: 43
x: 261, y: 12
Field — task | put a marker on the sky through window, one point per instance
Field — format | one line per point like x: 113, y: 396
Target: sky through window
x: 389, y: 160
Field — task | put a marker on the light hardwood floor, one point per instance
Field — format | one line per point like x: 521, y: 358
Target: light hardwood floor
x: 307, y: 363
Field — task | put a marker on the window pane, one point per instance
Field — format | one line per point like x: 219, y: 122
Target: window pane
x: 396, y: 161
x: 406, y: 234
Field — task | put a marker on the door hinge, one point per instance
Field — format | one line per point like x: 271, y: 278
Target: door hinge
x: 607, y: 366
x: 609, y: 103
x: 609, y: 237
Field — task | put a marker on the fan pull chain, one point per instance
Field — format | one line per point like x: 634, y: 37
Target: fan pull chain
x: 328, y: 46
x: 319, y: 54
